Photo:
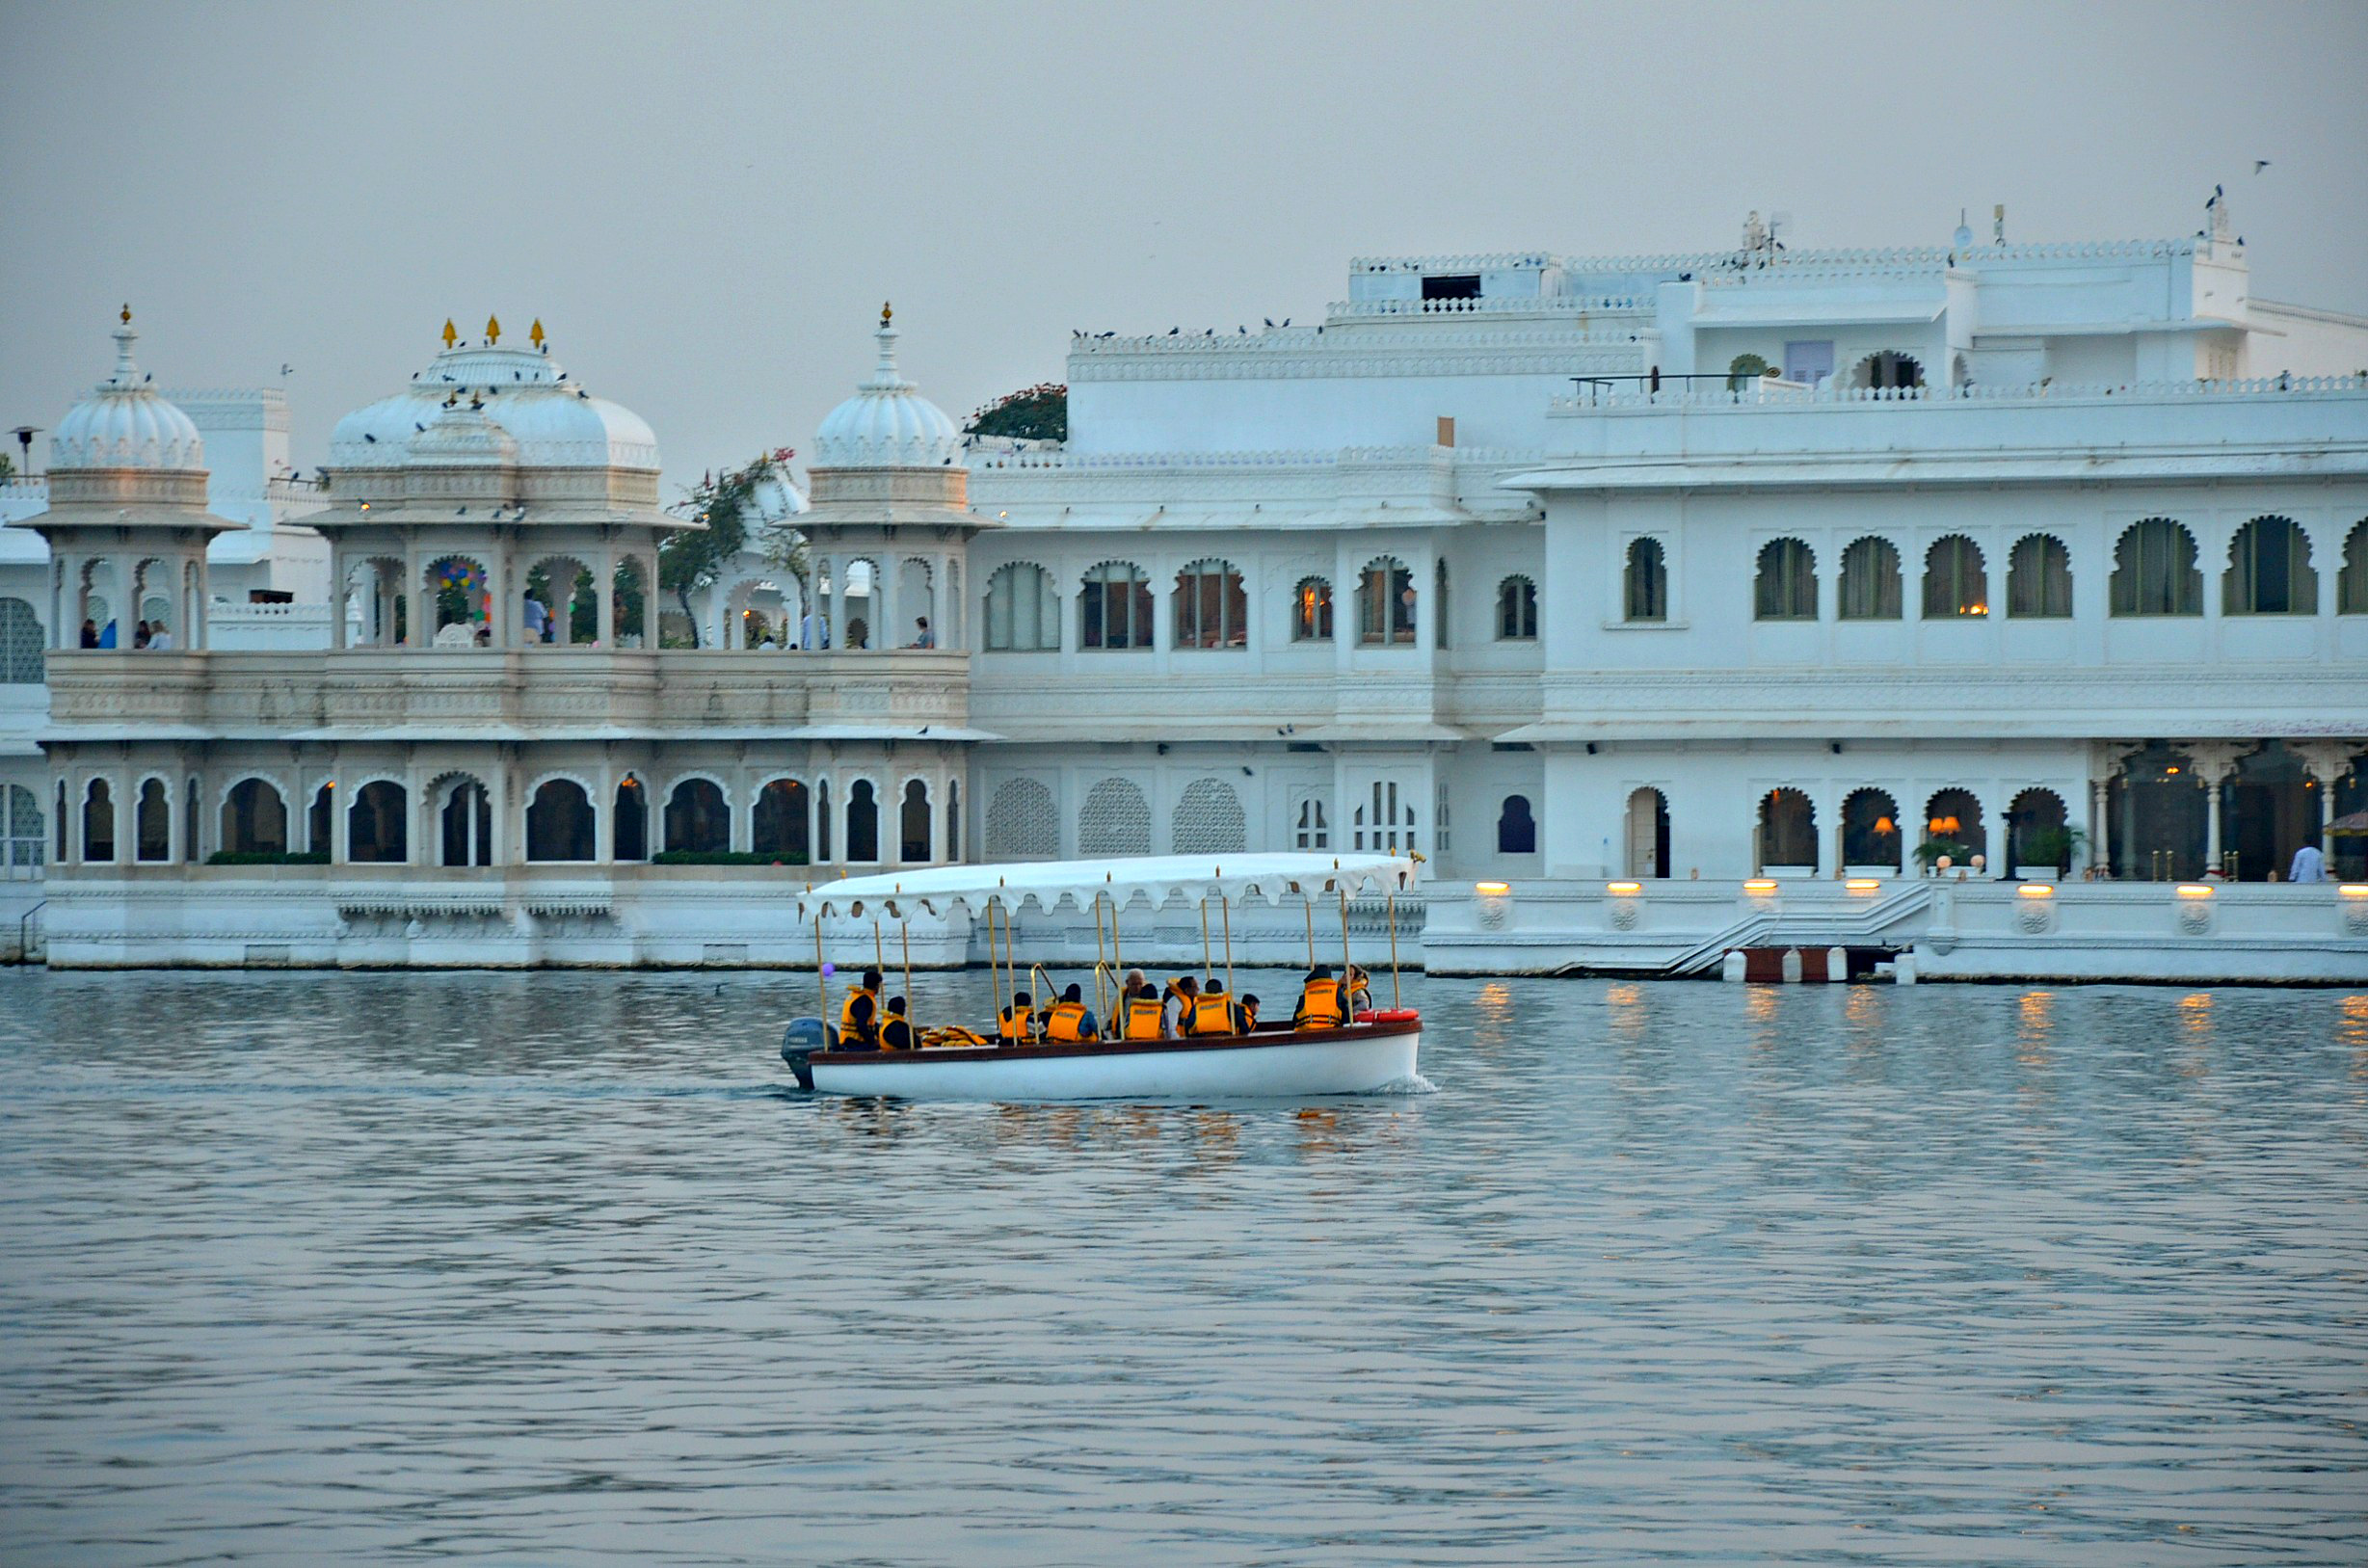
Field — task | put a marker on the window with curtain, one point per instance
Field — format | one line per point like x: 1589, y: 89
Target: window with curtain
x: 1023, y: 613
x: 2269, y: 570
x: 1648, y: 581
x: 1385, y: 604
x: 2154, y: 571
x: 2040, y: 579
x: 1786, y: 587
x: 1957, y: 580
x: 1871, y: 580
x: 1212, y: 610
x: 1114, y: 607
x: 1311, y: 611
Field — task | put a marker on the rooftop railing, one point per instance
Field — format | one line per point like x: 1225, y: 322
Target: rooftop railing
x: 1598, y: 393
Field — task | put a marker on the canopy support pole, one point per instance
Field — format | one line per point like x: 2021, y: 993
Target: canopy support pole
x: 1208, y: 967
x: 1390, y: 903
x: 995, y: 974
x: 911, y: 1008
x: 1101, y: 1004
x: 1348, y: 1000
x: 1310, y: 899
x: 1118, y: 960
x: 822, y: 978
x: 1226, y: 909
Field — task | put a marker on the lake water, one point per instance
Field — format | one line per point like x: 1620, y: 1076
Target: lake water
x: 535, y: 1268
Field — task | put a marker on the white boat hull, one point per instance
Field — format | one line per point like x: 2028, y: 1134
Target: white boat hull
x: 1346, y: 1062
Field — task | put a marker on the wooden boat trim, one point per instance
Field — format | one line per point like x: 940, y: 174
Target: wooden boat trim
x: 1262, y: 1039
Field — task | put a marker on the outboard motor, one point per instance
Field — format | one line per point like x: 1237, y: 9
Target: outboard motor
x: 802, y: 1039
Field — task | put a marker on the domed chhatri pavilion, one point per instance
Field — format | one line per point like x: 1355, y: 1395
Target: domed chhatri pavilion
x: 494, y: 751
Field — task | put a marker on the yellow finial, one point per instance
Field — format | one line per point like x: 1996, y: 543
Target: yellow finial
x: 492, y: 329
x: 535, y: 337
x: 127, y: 313
x: 884, y: 313
x: 451, y: 335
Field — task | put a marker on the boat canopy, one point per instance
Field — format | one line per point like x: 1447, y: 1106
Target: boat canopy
x: 1046, y: 884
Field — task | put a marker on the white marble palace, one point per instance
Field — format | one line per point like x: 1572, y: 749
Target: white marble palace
x: 1995, y: 609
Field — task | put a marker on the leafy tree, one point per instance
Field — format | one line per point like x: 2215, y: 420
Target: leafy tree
x: 8, y: 466
x: 691, y: 561
x: 1033, y: 414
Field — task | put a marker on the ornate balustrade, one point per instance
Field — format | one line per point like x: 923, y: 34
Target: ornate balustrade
x: 464, y: 693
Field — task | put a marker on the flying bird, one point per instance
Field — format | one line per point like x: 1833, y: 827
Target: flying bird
x: 367, y: 436
x: 2259, y: 164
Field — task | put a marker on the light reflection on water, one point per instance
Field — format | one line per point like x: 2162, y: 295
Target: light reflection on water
x: 538, y: 1267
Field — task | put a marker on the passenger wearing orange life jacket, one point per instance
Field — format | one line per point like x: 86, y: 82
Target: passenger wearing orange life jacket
x: 1213, y: 1011
x: 1176, y: 1007
x: 1070, y: 1020
x: 1139, y: 1010
x: 1319, y: 1001
x: 868, y: 988
x: 1013, y: 1024
x: 896, y: 1029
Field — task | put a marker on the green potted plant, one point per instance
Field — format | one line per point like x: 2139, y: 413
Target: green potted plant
x: 2043, y: 854
x: 1929, y: 853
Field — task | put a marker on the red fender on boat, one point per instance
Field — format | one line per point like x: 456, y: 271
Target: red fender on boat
x: 1391, y: 1014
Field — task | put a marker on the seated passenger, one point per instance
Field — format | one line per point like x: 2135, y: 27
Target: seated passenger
x: 1139, y: 1014
x: 859, y: 1026
x: 1319, y: 1001
x: 1175, y: 1009
x: 896, y: 1031
x: 1360, y: 988
x: 1247, y: 1008
x: 867, y: 989
x: 1070, y: 1019
x: 1013, y: 1022
x: 1212, y: 1010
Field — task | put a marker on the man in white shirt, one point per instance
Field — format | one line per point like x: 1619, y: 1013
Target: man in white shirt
x: 537, y: 619
x: 2309, y: 866
x: 160, y: 638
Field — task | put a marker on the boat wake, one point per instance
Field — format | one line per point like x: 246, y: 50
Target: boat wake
x: 1413, y: 1083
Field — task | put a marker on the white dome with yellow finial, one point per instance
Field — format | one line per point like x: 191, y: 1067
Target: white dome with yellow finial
x: 549, y: 420
x: 887, y: 424
x: 123, y: 424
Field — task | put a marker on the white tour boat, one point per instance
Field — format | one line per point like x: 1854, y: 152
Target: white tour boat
x: 1373, y: 1051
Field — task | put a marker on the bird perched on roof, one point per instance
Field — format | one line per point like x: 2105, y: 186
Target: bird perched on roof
x: 1173, y: 330
x: 367, y: 436
x: 1269, y: 320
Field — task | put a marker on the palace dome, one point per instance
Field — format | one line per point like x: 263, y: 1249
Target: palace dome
x: 887, y: 424
x: 123, y: 424
x: 550, y: 421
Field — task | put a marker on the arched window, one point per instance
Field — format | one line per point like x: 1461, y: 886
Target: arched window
x: 21, y: 653
x: 913, y: 824
x: 1888, y: 369
x: 1023, y: 613
x: 1516, y: 828
x: 953, y: 819
x: 698, y: 821
x: 456, y: 586
x: 1116, y: 820
x: 1022, y: 823
x: 1516, y: 610
x: 28, y: 831
x: 1956, y: 579
x: 1786, y: 587
x: 1114, y: 607
x: 863, y: 822
x: 2035, y: 832
x: 1648, y: 833
x: 559, y: 824
x: 1207, y: 820
x: 1744, y: 371
x: 189, y: 821
x: 321, y: 821
x: 254, y: 819
x: 63, y: 818
x: 1788, y: 831
x: 1385, y: 604
x: 1871, y: 834
x: 629, y: 836
x: 822, y: 819
x: 466, y: 825
x: 1440, y: 600
x: 1647, y: 595
x: 2351, y: 581
x: 1953, y: 816
x: 99, y: 822
x: 1211, y: 611
x: 2040, y: 579
x: 2154, y: 571
x: 629, y: 600
x: 2269, y: 570
x: 377, y: 825
x: 152, y: 822
x: 1311, y: 611
x: 1871, y: 581
x: 1310, y: 830
x: 778, y: 826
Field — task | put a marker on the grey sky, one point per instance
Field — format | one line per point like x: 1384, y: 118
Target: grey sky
x: 705, y: 206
